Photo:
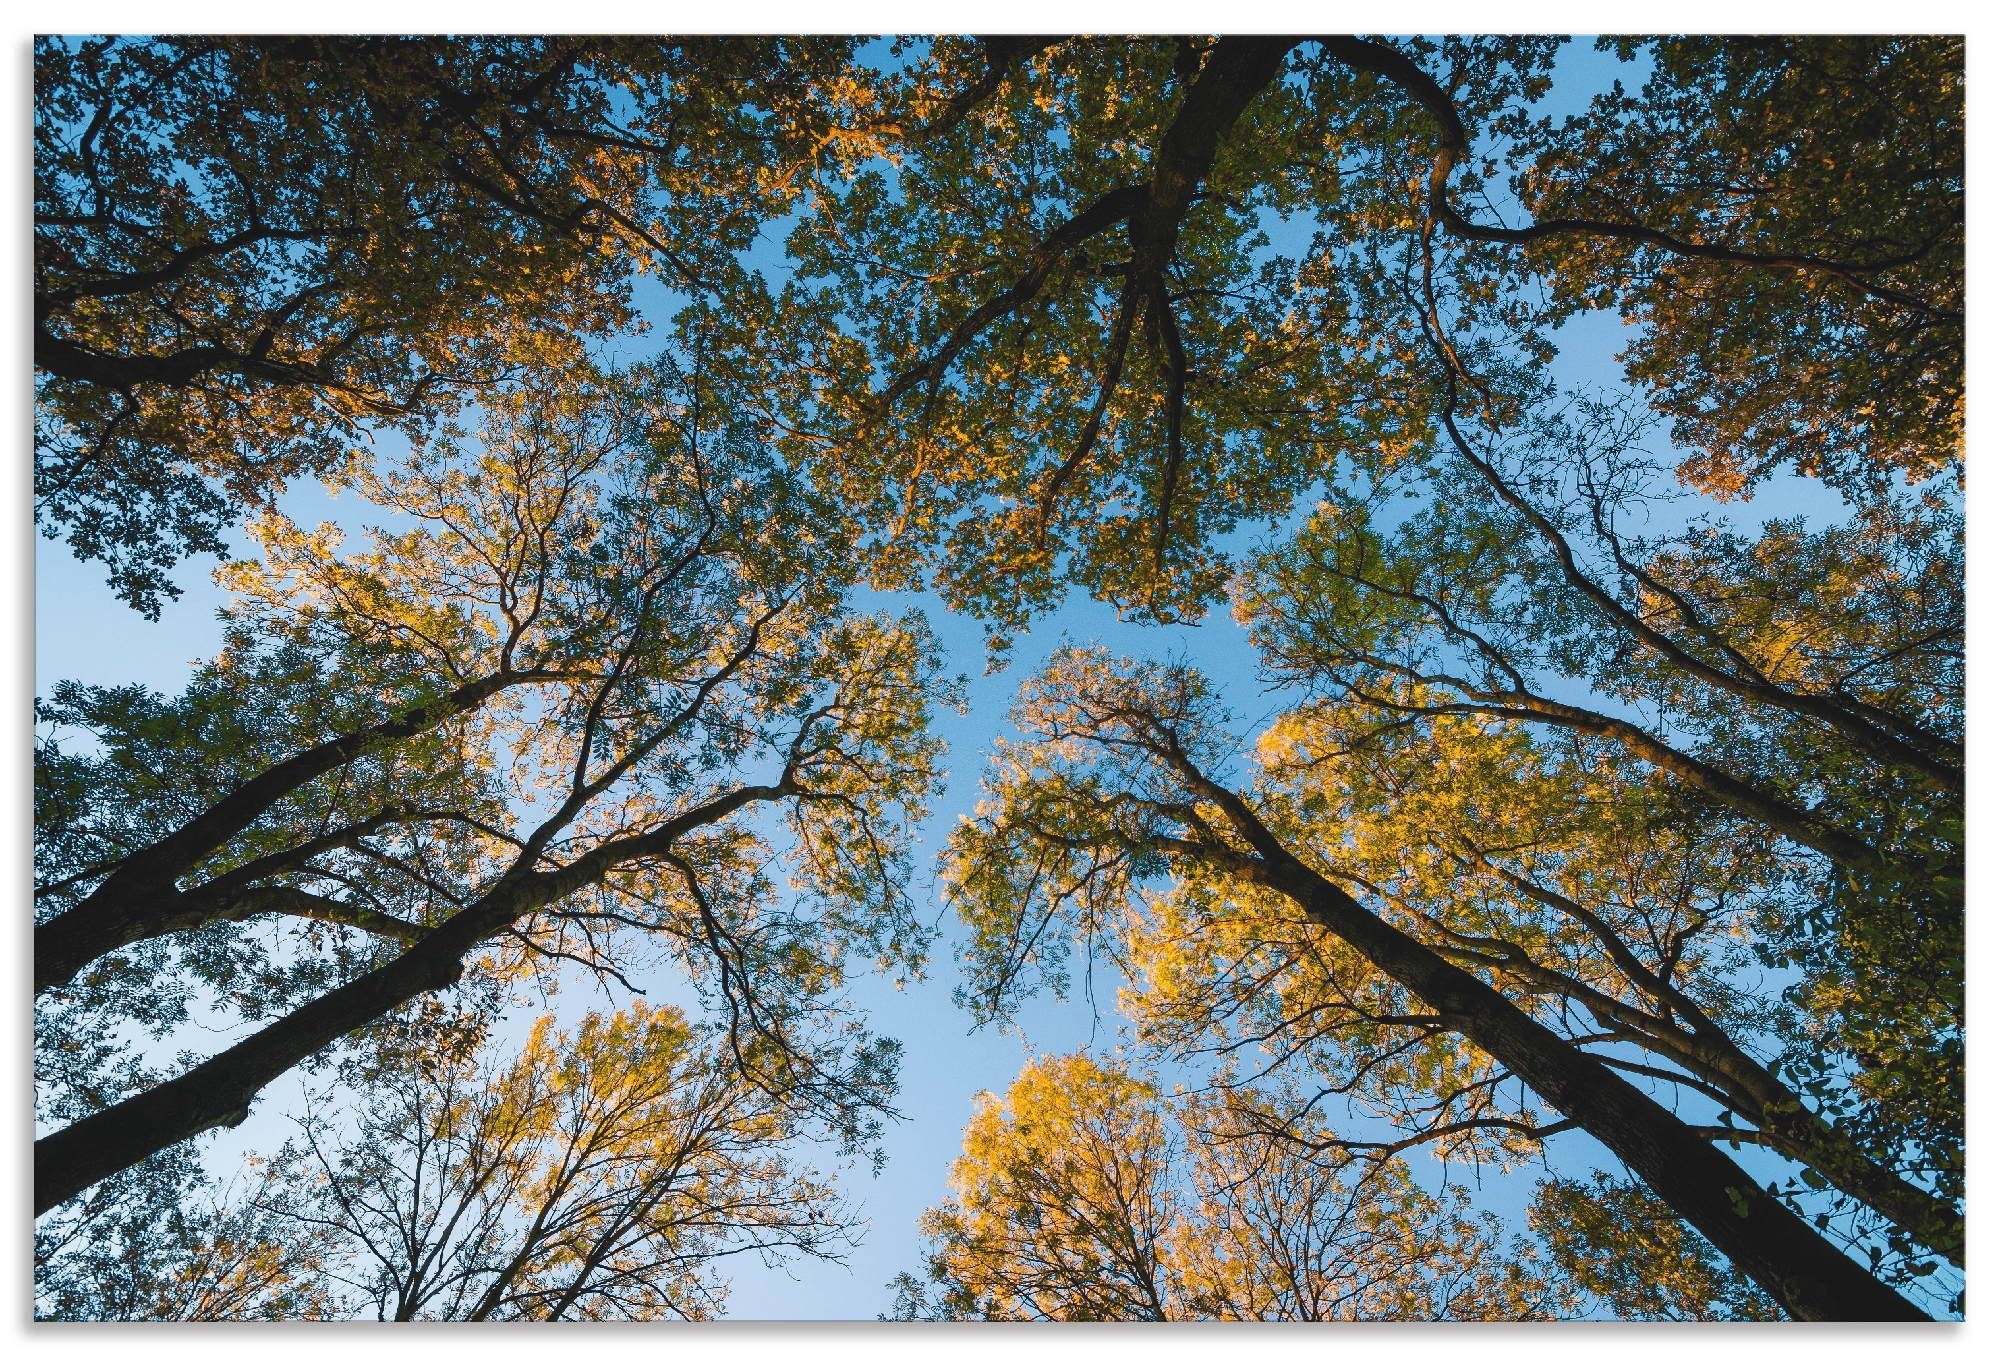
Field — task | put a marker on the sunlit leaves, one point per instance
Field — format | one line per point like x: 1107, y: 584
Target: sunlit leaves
x: 1619, y: 1244
x: 1084, y: 1193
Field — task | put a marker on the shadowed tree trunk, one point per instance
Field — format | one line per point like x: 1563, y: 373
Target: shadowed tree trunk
x: 1804, y: 1272
x: 219, y: 1091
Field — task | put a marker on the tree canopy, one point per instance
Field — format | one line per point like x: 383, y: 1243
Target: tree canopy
x: 250, y: 252
x: 1583, y: 797
x: 1122, y: 295
x: 1085, y: 1194
x: 528, y: 729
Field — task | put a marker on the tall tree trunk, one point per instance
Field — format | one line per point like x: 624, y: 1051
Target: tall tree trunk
x: 139, y: 899
x: 1803, y: 1272
x: 219, y: 1091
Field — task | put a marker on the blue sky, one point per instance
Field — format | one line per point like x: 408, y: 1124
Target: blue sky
x: 81, y: 632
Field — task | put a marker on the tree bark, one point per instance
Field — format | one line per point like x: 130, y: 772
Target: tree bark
x: 219, y: 1091
x: 1809, y: 1139
x: 139, y: 899
x: 1802, y: 1271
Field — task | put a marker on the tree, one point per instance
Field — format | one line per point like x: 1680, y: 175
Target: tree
x: 250, y: 253
x: 673, y: 602
x: 1280, y: 1234
x: 164, y: 1245
x: 1622, y: 918
x: 1806, y: 684
x: 602, y: 1173
x: 1618, y: 1243
x: 1083, y: 1194
x: 1064, y: 1205
x: 1120, y: 295
x: 1116, y: 787
x: 1828, y: 716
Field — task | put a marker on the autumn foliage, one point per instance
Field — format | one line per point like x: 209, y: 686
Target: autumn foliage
x: 1562, y: 777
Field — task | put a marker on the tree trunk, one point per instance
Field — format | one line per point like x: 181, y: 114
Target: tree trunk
x: 1798, y: 1268
x: 139, y: 899
x: 1739, y: 1080
x: 218, y: 1091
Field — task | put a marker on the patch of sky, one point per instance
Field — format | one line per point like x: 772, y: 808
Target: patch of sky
x: 82, y: 633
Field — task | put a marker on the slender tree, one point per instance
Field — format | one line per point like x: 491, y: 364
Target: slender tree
x: 601, y: 1173
x: 676, y: 608
x: 1117, y: 785
x: 1805, y: 684
x: 1622, y: 919
x: 1083, y: 1193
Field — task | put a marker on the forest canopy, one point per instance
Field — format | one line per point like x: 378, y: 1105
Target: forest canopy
x: 1542, y: 464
